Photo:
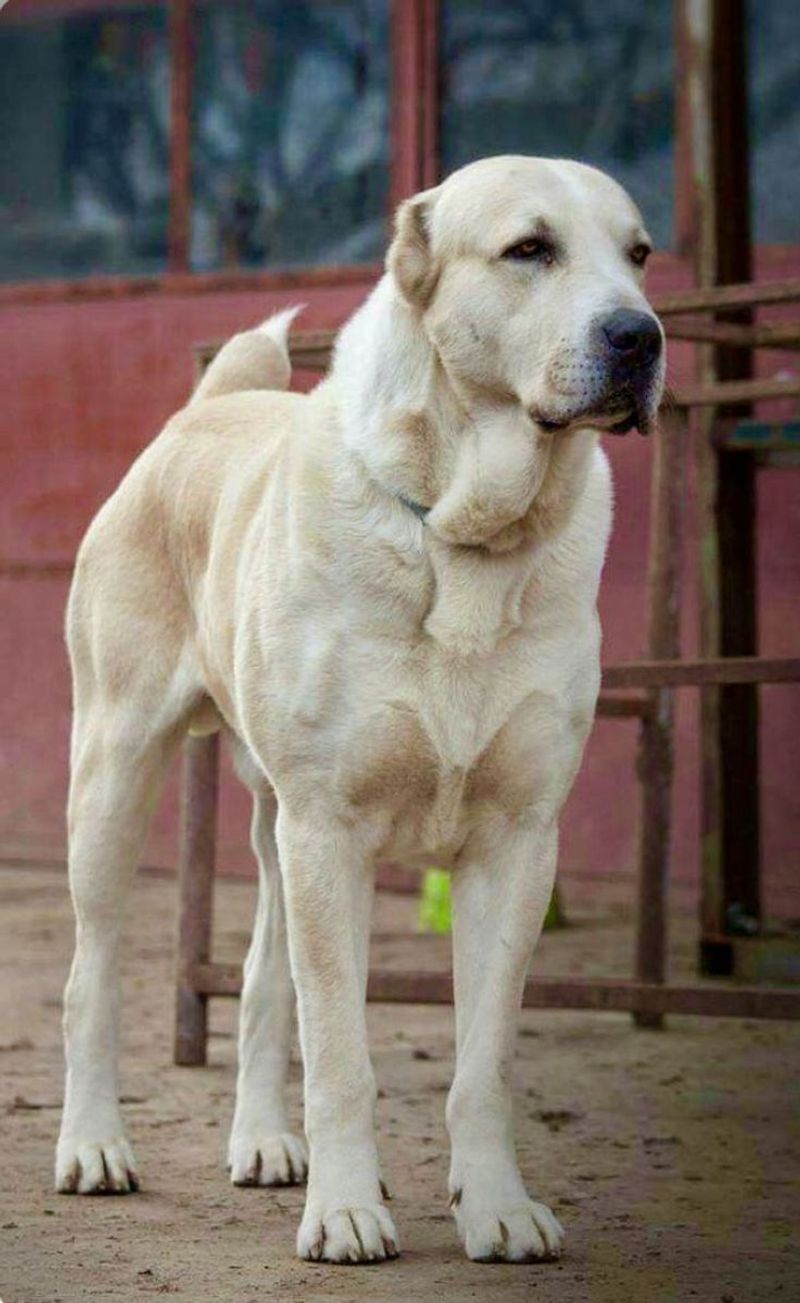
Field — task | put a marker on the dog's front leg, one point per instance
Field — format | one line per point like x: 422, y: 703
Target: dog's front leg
x: 262, y: 1150
x: 500, y: 894
x: 327, y: 874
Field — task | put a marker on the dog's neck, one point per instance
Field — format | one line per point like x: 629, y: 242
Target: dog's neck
x: 473, y: 459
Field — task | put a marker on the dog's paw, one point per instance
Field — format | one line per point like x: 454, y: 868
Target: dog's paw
x: 520, y: 1232
x: 96, y: 1167
x: 277, y: 1159
x: 347, y: 1235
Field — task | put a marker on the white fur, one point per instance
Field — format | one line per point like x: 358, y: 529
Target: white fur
x: 400, y: 689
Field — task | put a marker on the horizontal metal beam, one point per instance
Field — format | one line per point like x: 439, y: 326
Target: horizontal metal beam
x: 778, y: 334
x: 733, y: 391
x: 728, y: 296
x: 608, y: 995
x: 610, y: 706
x: 702, y: 673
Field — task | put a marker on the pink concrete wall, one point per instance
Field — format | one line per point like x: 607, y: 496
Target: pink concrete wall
x: 86, y: 385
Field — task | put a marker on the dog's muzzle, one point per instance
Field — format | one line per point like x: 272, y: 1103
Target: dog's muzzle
x: 631, y: 344
x: 619, y: 383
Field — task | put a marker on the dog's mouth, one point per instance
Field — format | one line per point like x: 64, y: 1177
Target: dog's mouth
x: 626, y: 413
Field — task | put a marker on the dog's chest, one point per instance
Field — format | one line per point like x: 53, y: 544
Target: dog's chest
x: 450, y: 736
x: 420, y: 714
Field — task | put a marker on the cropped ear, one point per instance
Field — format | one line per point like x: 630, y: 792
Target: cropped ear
x: 409, y: 259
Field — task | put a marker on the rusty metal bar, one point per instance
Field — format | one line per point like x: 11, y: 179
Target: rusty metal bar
x: 702, y: 673
x: 195, y: 893
x: 616, y: 707
x: 777, y: 334
x: 180, y: 133
x: 713, y: 75
x: 710, y: 298
x: 414, y: 98
x: 404, y: 138
x: 655, y: 767
x: 724, y: 392
x: 608, y: 995
x: 429, y: 109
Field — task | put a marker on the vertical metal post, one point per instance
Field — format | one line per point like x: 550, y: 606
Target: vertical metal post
x: 414, y: 125
x: 713, y: 124
x: 180, y: 133
x: 196, y: 892
x: 656, y: 738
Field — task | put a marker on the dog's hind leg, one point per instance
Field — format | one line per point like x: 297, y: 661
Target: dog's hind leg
x: 262, y: 1150
x: 120, y: 748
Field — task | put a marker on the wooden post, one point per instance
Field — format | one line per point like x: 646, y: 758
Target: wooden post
x: 657, y: 727
x: 196, y: 893
x: 712, y: 48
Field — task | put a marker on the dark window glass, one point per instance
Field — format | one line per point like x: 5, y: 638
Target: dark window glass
x: 577, y: 79
x: 775, y: 120
x: 291, y: 133
x: 84, y: 139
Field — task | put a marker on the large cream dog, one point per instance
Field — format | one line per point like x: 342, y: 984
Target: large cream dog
x: 385, y: 593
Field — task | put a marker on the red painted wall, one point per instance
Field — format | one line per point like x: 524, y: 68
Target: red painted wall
x: 85, y: 385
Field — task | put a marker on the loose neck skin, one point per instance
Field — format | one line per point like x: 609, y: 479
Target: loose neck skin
x: 491, y: 479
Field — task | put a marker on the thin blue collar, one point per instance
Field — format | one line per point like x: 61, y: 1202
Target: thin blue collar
x: 419, y: 511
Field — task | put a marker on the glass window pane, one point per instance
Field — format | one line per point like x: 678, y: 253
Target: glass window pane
x: 290, y: 139
x: 84, y: 171
x: 575, y: 79
x: 775, y: 121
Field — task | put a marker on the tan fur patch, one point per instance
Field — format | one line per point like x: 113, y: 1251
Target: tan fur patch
x: 417, y: 433
x: 391, y: 761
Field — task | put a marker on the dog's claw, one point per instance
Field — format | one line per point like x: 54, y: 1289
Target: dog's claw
x: 278, y: 1159
x: 95, y: 1167
x: 527, y: 1232
x: 355, y: 1235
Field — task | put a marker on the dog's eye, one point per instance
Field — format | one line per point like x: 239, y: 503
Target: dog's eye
x: 532, y: 250
x: 639, y: 254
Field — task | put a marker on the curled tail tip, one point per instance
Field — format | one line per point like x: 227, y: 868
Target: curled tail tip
x: 277, y: 326
x: 253, y: 359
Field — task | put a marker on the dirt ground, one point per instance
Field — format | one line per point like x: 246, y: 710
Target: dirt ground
x: 671, y: 1157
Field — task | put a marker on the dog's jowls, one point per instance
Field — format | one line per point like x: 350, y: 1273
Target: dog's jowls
x: 384, y: 592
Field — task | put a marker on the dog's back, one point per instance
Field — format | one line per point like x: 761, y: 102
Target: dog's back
x: 146, y: 553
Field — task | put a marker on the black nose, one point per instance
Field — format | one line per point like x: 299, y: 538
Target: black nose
x: 634, y: 336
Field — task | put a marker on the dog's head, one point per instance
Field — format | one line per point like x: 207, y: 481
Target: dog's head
x: 528, y: 274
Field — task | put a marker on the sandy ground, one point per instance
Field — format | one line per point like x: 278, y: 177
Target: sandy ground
x: 671, y: 1157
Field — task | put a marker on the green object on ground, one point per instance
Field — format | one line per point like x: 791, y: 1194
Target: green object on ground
x: 435, y: 909
x: 434, y: 906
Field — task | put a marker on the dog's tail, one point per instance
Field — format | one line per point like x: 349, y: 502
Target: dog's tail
x: 254, y: 359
